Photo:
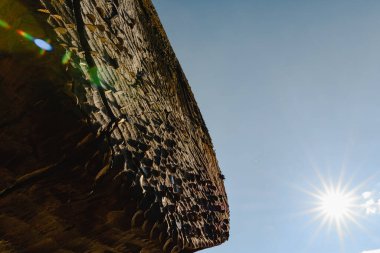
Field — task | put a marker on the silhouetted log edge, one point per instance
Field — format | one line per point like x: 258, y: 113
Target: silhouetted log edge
x: 126, y: 161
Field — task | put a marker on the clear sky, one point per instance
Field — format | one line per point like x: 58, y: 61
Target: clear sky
x: 288, y: 90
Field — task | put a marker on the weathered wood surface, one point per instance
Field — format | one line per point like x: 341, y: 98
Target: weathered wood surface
x: 108, y: 153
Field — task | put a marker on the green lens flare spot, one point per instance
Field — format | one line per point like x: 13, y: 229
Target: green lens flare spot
x: 25, y: 35
x: 4, y: 24
x: 93, y: 72
x: 66, y: 57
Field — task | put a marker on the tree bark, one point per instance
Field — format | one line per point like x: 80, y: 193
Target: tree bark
x: 103, y: 147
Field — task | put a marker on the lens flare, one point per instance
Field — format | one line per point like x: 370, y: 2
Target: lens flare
x: 25, y: 35
x: 94, y: 78
x: 66, y: 57
x: 44, y: 45
x: 4, y: 24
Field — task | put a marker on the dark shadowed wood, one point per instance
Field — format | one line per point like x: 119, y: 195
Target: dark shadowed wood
x: 107, y: 152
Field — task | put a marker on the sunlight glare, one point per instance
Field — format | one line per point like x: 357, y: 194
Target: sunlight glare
x: 336, y: 204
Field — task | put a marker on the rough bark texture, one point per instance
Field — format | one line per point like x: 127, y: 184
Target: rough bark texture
x: 108, y: 153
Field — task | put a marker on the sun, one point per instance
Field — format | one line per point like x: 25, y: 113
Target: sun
x: 335, y: 205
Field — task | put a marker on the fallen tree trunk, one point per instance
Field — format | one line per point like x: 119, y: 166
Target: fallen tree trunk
x: 103, y: 147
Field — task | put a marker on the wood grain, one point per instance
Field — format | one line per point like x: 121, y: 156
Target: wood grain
x: 110, y: 152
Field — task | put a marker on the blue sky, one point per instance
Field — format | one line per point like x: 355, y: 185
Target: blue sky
x: 288, y: 89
